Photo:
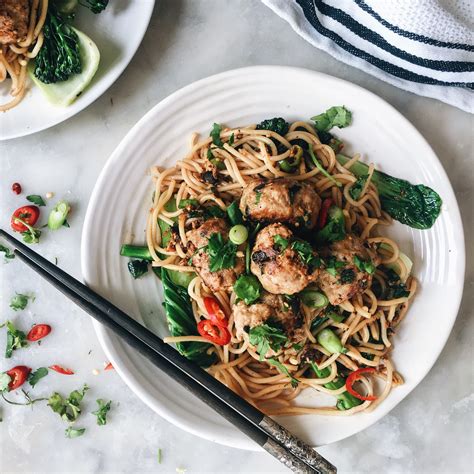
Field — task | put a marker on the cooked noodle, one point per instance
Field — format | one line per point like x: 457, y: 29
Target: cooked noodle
x: 254, y: 154
x: 14, y: 57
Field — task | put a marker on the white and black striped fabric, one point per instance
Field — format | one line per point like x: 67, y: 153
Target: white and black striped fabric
x: 423, y: 46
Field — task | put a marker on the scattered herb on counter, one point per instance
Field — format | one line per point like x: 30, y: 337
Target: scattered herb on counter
x: 16, y: 339
x: 74, y: 432
x: 5, y: 380
x: 58, y: 215
x: 101, y: 412
x: 20, y: 301
x: 68, y: 409
x: 37, y: 375
x: 36, y: 199
x: 8, y: 253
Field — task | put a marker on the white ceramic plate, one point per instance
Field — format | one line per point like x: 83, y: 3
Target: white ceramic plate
x: 117, y: 209
x: 107, y: 29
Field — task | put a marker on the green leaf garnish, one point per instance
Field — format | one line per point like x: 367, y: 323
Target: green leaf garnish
x: 265, y: 337
x: 281, y: 242
x: 5, y: 379
x: 74, y: 432
x: 8, y: 253
x: 70, y: 408
x: 248, y: 288
x: 37, y: 375
x: 36, y: 199
x: 20, y: 301
x: 101, y: 412
x: 221, y: 254
x: 283, y: 369
x: 216, y: 135
x: 16, y: 339
x: 337, y: 116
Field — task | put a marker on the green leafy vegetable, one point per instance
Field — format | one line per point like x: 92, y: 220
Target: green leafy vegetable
x: 358, y: 186
x: 216, y: 135
x: 59, y: 57
x: 277, y: 124
x: 320, y: 167
x: 5, y: 379
x: 74, y: 432
x: 221, y: 254
x: 8, y: 253
x: 284, y: 370
x: 36, y: 199
x: 306, y: 254
x: 70, y: 408
x: 16, y: 339
x: 248, y: 288
x: 37, y: 375
x: 337, y: 116
x: 181, y: 322
x: 417, y: 206
x: 234, y: 214
x: 57, y: 216
x: 364, y: 265
x: 20, y: 301
x: 347, y: 275
x: 137, y: 268
x: 281, y: 242
x: 265, y: 337
x: 102, y: 410
x: 335, y: 228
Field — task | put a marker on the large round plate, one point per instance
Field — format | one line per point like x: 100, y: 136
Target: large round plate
x: 117, y: 43
x: 120, y: 200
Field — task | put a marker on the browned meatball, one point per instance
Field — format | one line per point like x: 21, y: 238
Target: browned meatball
x: 13, y: 20
x: 276, y: 308
x: 350, y: 279
x: 219, y: 280
x: 281, y: 200
x: 280, y: 263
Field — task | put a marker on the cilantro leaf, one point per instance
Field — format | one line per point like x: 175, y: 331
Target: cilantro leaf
x: 258, y: 196
x: 248, y: 288
x: 306, y: 254
x: 335, y: 228
x: 347, y: 275
x: 221, y: 254
x: 337, y: 116
x: 216, y: 135
x: 74, y: 432
x: 283, y: 369
x: 37, y: 375
x: 20, y: 301
x: 15, y: 339
x: 265, y: 337
x: 364, y: 265
x: 332, y: 266
x: 101, y: 412
x: 8, y: 253
x: 358, y: 186
x: 70, y: 408
x: 231, y: 139
x: 281, y: 242
x: 36, y: 199
x: 5, y: 379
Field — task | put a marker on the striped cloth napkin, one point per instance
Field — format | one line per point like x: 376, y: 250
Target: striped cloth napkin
x: 422, y: 46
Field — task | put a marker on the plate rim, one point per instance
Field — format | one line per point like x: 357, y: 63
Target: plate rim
x: 107, y: 84
x: 103, y: 334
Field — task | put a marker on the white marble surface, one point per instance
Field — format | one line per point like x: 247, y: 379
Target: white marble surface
x: 430, y: 431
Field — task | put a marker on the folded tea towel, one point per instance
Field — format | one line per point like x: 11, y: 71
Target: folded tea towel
x: 422, y: 46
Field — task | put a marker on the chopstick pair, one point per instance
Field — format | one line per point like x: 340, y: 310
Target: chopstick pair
x: 267, y: 433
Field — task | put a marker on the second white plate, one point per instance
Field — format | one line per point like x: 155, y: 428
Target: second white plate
x: 122, y: 195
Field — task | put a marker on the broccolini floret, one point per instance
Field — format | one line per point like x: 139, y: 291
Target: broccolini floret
x: 277, y: 124
x: 95, y: 6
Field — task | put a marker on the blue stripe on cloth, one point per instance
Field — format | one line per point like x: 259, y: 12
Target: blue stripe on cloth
x: 344, y: 19
x: 409, y: 34
x: 310, y: 14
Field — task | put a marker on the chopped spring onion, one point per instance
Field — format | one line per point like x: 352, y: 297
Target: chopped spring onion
x: 314, y: 299
x: 58, y: 215
x: 328, y: 339
x: 238, y: 234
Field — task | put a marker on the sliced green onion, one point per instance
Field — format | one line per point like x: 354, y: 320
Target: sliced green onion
x: 58, y: 215
x: 238, y: 234
x: 328, y: 339
x: 336, y: 317
x: 181, y: 278
x: 314, y: 299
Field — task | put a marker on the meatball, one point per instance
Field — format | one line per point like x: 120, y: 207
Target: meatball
x: 13, y: 20
x: 198, y: 239
x: 350, y: 278
x: 281, y: 200
x: 284, y: 311
x: 283, y: 265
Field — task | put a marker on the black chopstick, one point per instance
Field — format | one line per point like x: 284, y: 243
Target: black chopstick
x: 265, y: 431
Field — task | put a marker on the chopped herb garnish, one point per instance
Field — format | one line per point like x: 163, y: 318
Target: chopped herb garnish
x: 297, y: 347
x: 337, y: 116
x: 283, y: 369
x: 36, y: 199
x: 74, y: 432
x: 347, y: 275
x: 258, y: 196
x: 265, y: 337
x: 305, y: 252
x: 231, y: 139
x: 335, y: 229
x: 16, y: 339
x: 37, y: 375
x: 364, y: 265
x: 8, y: 253
x: 216, y: 135
x: 221, y: 254
x: 281, y: 242
x: 332, y: 266
x: 101, y: 412
x: 235, y: 214
x: 395, y: 288
x: 358, y: 186
x: 70, y: 408
x: 248, y: 288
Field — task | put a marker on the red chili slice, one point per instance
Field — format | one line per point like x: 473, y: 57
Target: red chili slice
x: 215, y: 333
x: 323, y: 215
x: 18, y: 376
x: 109, y: 366
x: 61, y: 370
x: 28, y: 214
x: 353, y: 377
x: 38, y: 331
x: 215, y: 312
